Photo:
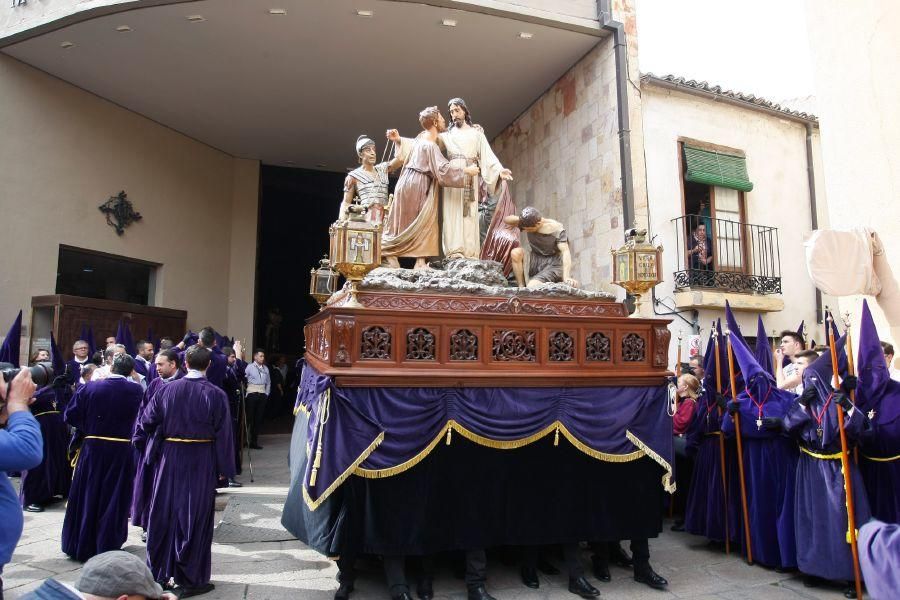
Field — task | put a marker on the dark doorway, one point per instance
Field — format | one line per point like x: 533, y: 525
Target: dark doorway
x: 105, y: 276
x: 296, y: 208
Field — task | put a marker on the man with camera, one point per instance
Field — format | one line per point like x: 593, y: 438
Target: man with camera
x: 21, y: 448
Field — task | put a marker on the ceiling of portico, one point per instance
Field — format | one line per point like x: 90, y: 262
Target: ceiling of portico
x: 298, y: 88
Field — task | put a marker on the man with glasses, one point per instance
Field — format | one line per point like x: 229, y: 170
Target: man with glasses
x: 81, y: 357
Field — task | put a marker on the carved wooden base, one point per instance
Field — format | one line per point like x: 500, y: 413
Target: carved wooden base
x: 429, y: 340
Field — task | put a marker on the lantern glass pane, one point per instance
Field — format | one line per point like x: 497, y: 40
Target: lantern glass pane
x: 646, y: 266
x: 623, y: 267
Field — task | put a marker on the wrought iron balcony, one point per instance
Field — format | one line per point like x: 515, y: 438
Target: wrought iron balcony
x: 726, y: 255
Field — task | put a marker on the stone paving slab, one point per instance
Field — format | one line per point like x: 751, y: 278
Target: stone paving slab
x: 262, y: 570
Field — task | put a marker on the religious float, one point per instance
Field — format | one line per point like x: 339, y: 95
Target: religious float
x: 445, y: 409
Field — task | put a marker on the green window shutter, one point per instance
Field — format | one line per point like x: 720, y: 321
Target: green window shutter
x: 715, y: 168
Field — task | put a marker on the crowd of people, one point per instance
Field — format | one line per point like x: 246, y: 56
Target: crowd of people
x: 780, y: 497
x: 145, y: 438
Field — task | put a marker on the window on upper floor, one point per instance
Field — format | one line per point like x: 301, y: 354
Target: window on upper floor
x: 717, y: 247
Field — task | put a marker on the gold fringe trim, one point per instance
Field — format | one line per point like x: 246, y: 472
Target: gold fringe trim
x: 835, y: 456
x: 604, y: 456
x: 404, y: 466
x: 314, y: 504
x: 879, y: 459
x: 301, y: 408
x: 556, y: 427
x: 502, y: 444
x: 667, y: 482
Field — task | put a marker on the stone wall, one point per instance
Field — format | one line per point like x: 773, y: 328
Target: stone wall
x: 564, y: 155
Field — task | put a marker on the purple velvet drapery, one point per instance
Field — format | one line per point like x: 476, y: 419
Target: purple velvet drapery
x: 379, y: 432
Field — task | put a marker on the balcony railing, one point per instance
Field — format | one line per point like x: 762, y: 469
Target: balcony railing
x: 738, y: 257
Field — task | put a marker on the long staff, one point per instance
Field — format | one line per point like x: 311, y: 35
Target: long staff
x: 774, y: 355
x: 722, y: 442
x: 675, y: 408
x: 845, y: 464
x: 848, y: 344
x: 246, y: 429
x: 740, y: 450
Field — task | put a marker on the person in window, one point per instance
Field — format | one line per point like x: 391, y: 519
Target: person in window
x: 700, y: 248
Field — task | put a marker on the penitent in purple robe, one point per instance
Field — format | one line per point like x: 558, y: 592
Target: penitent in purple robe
x: 192, y: 419
x: 53, y: 476
x: 820, y: 510
x: 705, y: 510
x: 96, y: 519
x: 147, y: 450
x: 879, y: 397
x: 879, y: 557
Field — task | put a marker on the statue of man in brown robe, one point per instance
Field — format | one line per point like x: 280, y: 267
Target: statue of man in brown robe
x: 411, y: 228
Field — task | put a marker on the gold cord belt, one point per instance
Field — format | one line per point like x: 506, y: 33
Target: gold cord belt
x: 74, y: 462
x: 47, y: 412
x: 880, y: 459
x: 188, y: 440
x: 835, y: 456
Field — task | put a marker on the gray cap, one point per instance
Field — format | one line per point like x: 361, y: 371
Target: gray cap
x: 115, y: 573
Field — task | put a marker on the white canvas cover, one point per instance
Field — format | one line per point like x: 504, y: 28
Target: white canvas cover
x: 840, y: 263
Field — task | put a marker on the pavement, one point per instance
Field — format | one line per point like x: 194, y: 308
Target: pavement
x: 282, y: 569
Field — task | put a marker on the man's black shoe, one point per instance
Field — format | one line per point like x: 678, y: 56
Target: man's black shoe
x: 34, y: 508
x: 186, y: 592
x: 530, y: 578
x: 601, y: 571
x: 479, y: 593
x: 235, y: 483
x: 255, y: 447
x: 650, y: 577
x: 580, y: 587
x: 425, y: 590
x: 343, y: 591
x: 619, y: 557
x: 546, y: 567
x: 402, y: 596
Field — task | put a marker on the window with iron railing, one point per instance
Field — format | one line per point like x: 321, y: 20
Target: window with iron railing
x: 726, y: 254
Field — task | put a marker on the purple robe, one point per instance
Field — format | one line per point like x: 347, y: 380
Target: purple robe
x: 879, y: 558
x: 879, y: 459
x: 234, y: 378
x: 141, y: 366
x: 820, y: 511
x: 97, y: 512
x: 770, y: 465
x: 53, y: 476
x: 180, y: 520
x: 705, y: 509
x: 147, y: 448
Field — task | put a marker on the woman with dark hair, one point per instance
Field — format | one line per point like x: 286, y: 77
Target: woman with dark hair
x: 700, y: 248
x: 40, y: 356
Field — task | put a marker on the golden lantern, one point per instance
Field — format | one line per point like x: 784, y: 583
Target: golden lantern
x: 636, y: 264
x: 322, y: 281
x: 355, y: 249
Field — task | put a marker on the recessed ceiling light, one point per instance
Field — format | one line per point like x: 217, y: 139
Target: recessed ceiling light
x: 67, y: 45
x: 525, y: 35
x: 365, y: 13
x: 87, y: 270
x: 123, y: 28
x: 449, y: 22
x: 321, y: 165
x: 277, y: 11
x: 289, y: 162
x: 195, y: 18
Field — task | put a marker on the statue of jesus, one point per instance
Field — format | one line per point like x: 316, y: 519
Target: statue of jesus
x: 411, y: 228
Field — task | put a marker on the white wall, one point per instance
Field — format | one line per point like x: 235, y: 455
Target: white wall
x: 64, y: 151
x: 776, y: 162
x: 855, y: 52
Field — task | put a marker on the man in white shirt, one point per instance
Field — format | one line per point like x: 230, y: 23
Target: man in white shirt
x: 888, y: 350
x: 259, y: 386
x: 788, y: 376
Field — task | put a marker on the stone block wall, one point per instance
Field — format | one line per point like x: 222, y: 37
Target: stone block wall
x: 564, y: 155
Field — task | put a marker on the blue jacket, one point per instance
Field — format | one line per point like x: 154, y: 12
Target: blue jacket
x: 21, y: 448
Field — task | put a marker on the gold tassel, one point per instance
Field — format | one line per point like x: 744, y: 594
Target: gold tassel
x: 556, y: 437
x: 449, y: 433
x: 323, y: 418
